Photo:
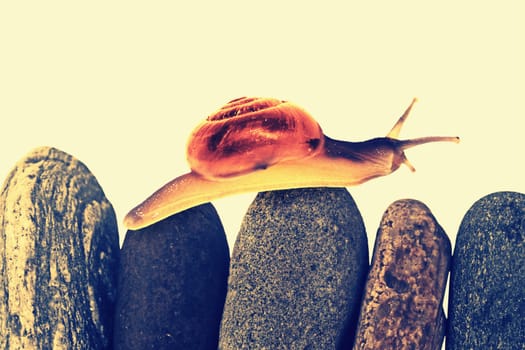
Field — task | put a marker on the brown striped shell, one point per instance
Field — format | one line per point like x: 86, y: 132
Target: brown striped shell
x: 252, y: 133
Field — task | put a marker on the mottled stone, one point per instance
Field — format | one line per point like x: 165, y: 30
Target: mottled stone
x: 402, y: 304
x: 172, y: 283
x: 297, y: 271
x: 59, y: 253
x: 487, y: 281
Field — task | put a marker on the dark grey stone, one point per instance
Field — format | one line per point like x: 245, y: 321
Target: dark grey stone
x: 59, y: 252
x: 172, y: 283
x: 402, y: 305
x: 297, y: 272
x: 487, y: 283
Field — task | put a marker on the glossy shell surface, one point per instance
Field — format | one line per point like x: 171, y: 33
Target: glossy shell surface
x: 250, y: 134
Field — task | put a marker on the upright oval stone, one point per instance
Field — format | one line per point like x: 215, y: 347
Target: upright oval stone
x: 172, y: 283
x: 59, y: 252
x: 402, y: 305
x: 487, y: 281
x: 297, y: 271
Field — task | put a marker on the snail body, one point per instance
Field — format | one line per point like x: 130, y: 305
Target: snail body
x: 263, y: 144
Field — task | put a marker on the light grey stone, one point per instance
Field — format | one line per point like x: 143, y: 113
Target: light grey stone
x: 297, y: 272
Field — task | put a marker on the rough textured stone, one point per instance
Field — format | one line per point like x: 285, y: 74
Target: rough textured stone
x: 402, y: 304
x: 172, y: 283
x: 58, y: 256
x: 487, y: 282
x: 297, y: 271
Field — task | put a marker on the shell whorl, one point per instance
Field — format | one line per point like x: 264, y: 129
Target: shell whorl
x: 252, y: 133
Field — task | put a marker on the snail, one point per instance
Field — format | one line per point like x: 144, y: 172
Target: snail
x: 263, y: 144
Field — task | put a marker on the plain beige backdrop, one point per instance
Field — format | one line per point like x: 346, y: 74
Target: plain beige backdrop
x: 120, y: 85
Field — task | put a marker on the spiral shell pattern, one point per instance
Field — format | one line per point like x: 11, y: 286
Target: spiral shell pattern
x: 252, y: 133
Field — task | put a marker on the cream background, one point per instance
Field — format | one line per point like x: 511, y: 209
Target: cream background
x: 120, y: 85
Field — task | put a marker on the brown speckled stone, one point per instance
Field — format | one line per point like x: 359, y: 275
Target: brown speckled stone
x: 402, y: 305
x: 297, y: 272
x: 487, y: 279
x: 172, y: 283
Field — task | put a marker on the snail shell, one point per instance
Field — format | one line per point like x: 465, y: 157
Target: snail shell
x: 250, y: 134
x: 263, y: 144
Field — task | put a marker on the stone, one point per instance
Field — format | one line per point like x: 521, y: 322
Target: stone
x: 59, y: 253
x: 172, y: 283
x: 297, y: 271
x: 487, y: 281
x: 402, y: 304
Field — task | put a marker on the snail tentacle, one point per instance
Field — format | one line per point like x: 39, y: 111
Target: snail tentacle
x: 396, y: 129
